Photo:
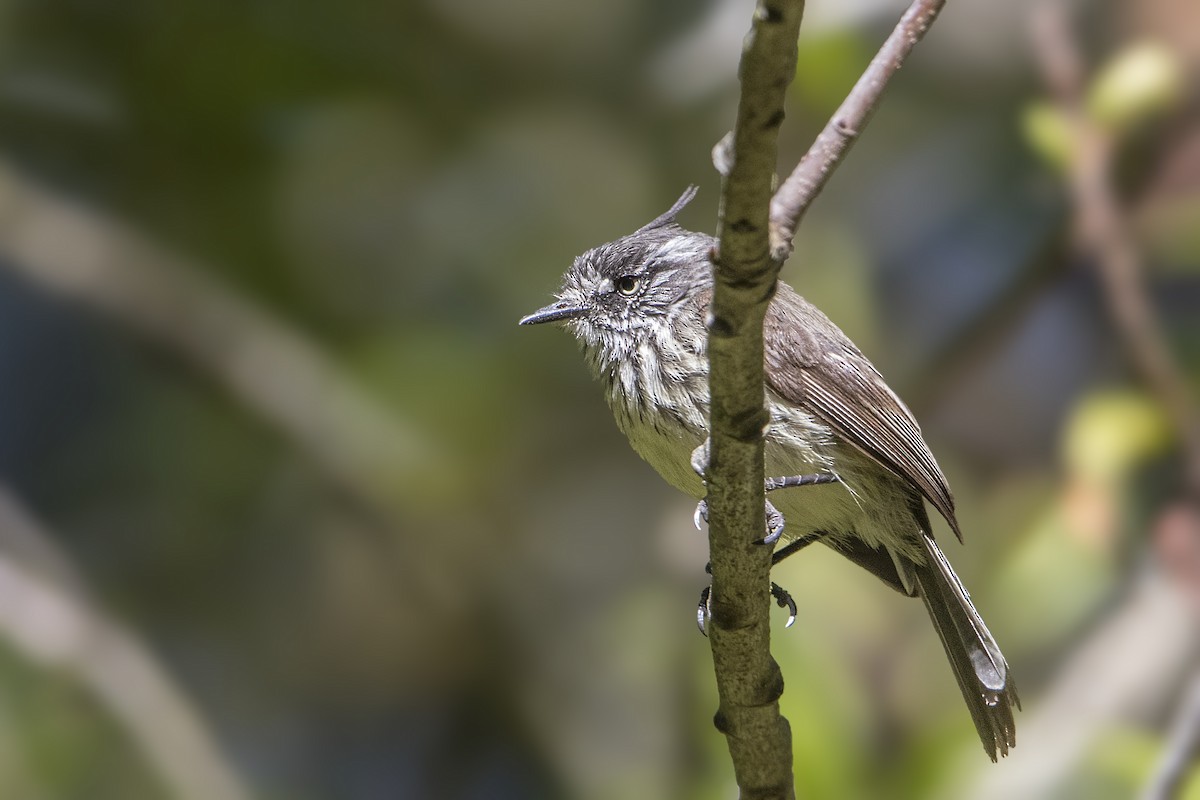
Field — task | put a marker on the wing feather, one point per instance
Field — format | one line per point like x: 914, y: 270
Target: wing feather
x: 811, y: 363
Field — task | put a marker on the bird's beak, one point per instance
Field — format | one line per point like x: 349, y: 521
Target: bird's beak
x: 555, y: 312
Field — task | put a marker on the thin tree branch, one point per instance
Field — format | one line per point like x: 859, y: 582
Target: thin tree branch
x: 1183, y: 749
x: 755, y: 233
x: 809, y: 177
x: 1102, y: 229
x: 46, y: 616
x: 749, y: 682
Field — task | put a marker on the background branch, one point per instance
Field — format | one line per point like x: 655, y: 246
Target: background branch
x: 1102, y: 230
x: 270, y: 368
x: 45, y: 615
x: 1183, y: 748
x: 1097, y: 687
x: 969, y: 344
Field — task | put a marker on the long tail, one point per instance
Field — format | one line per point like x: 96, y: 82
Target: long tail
x: 975, y: 657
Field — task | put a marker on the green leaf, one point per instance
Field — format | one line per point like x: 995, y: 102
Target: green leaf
x: 1142, y: 81
x: 1048, y: 132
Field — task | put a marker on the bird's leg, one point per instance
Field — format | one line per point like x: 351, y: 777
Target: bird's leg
x: 700, y: 459
x: 795, y: 546
x: 792, y: 481
x: 774, y: 518
x: 773, y: 515
x: 775, y: 525
x: 774, y: 530
x: 782, y: 599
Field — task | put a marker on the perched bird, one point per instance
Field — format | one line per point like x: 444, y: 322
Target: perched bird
x: 852, y: 452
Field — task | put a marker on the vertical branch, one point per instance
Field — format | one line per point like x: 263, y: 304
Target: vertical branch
x: 755, y: 235
x: 749, y: 682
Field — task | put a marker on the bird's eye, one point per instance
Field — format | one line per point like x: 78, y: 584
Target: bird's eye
x: 628, y: 284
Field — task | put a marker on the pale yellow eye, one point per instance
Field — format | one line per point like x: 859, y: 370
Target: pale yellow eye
x: 628, y: 284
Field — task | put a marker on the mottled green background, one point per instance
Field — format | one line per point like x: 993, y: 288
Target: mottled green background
x: 433, y: 568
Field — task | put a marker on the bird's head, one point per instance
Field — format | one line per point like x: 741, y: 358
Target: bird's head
x: 623, y: 292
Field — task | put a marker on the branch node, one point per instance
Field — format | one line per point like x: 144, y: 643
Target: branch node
x: 846, y: 130
x: 728, y: 617
x: 768, y: 14
x: 719, y: 326
x: 772, y: 689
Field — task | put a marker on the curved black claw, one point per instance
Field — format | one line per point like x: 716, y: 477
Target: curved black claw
x: 774, y: 521
x: 774, y: 525
x: 781, y: 595
x: 784, y: 600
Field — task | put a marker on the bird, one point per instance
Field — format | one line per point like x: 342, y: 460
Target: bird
x: 856, y: 471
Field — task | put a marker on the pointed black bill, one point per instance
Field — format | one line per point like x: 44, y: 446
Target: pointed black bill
x: 555, y: 312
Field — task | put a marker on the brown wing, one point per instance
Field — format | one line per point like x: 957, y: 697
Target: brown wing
x: 813, y: 364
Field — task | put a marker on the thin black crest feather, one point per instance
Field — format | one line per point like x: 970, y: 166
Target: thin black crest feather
x: 668, y: 217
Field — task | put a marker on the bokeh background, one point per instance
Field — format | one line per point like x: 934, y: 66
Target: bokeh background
x: 291, y: 508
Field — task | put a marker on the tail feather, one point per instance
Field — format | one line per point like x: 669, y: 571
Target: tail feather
x: 978, y: 664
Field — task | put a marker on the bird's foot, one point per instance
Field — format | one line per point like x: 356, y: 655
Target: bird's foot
x: 774, y: 525
x: 782, y: 598
x: 773, y: 516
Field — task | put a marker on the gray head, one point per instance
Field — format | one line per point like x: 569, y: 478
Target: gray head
x: 623, y: 292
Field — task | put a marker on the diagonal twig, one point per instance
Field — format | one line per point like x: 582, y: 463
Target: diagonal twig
x: 270, y: 368
x: 809, y: 177
x: 46, y: 615
x: 1183, y: 749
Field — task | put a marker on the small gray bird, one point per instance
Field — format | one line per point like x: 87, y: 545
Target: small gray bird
x: 837, y: 433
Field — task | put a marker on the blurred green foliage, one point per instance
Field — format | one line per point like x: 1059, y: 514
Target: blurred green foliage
x: 398, y: 183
